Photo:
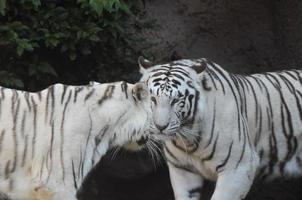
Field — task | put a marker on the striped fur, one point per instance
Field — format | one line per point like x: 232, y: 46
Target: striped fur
x: 51, y: 139
x: 232, y: 129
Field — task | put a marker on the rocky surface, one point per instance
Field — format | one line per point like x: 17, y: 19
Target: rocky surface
x: 243, y: 36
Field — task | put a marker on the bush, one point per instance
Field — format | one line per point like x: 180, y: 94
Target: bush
x: 46, y: 41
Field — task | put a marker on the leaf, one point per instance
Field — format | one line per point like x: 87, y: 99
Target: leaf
x: 97, y: 5
x: 18, y: 26
x: 2, y: 7
x: 52, y: 42
x: 124, y: 7
x: 10, y: 80
x: 108, y: 5
x: 94, y: 38
x: 41, y: 68
x: 20, y: 50
x: 36, y: 3
x: 24, y: 44
x: 19, y: 83
x: 46, y: 68
x: 12, y: 35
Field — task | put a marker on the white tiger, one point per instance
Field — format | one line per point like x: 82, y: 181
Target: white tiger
x: 224, y: 127
x: 51, y: 139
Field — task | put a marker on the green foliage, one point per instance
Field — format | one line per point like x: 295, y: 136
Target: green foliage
x: 35, y: 33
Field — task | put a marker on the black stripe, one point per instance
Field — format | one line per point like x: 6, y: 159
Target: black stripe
x: 6, y: 170
x: 243, y: 147
x: 23, y: 124
x: 52, y: 95
x: 209, y: 157
x: 24, y: 151
x: 217, y: 78
x: 107, y: 94
x: 211, y: 77
x: 62, y: 135
x: 87, y: 140
x: 1, y: 139
x: 51, y: 149
x: 77, y: 91
x: 80, y: 163
x: 63, y: 94
x: 74, y: 176
x: 226, y: 159
x: 34, y: 105
x: 15, y: 111
x: 124, y: 87
x: 192, y: 192
x: 213, y: 126
x: 26, y: 95
x: 169, y: 152
x: 47, y: 103
x: 291, y: 75
x: 42, y: 165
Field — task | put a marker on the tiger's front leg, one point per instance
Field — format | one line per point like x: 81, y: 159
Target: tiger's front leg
x: 186, y: 185
x: 234, y: 184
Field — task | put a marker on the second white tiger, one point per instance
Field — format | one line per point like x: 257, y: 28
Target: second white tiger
x: 50, y: 140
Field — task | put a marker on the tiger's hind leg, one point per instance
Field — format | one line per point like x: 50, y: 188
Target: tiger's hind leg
x: 186, y: 185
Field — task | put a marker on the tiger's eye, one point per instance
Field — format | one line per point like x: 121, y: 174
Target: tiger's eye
x: 182, y: 104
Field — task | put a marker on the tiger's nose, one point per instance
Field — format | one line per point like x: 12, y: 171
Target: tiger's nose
x: 161, y: 127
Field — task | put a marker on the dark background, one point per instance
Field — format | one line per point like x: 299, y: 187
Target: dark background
x: 242, y: 36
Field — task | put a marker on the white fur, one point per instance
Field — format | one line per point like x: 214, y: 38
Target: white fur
x: 82, y: 122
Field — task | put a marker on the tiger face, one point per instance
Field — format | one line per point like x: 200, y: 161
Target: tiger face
x: 174, y: 93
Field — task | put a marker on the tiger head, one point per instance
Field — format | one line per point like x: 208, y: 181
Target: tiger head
x: 119, y: 109
x: 174, y: 91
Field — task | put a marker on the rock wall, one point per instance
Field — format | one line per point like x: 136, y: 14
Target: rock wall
x: 243, y: 36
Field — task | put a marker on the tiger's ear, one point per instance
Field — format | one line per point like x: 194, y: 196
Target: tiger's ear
x: 144, y: 64
x: 139, y: 92
x: 199, y: 67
